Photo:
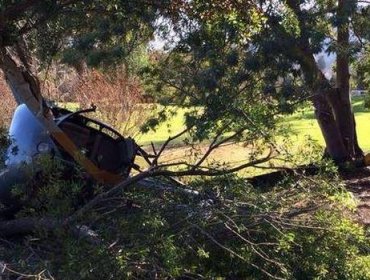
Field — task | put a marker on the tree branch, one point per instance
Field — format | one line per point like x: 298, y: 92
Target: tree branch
x: 155, y: 171
x: 28, y: 225
x: 165, y: 144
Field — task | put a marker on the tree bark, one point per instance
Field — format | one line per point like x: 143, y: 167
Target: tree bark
x: 325, y: 115
x: 23, y: 226
x: 333, y: 107
x: 24, y: 86
x: 335, y: 146
x: 342, y: 105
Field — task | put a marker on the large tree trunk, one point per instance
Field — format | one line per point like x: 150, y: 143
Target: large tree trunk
x: 334, y: 114
x: 322, y: 100
x: 342, y: 106
x: 335, y: 147
x: 332, y: 105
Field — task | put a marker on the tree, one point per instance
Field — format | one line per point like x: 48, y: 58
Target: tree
x: 104, y: 32
x: 272, y: 38
x: 77, y: 31
x: 229, y: 67
x: 72, y: 31
x: 362, y: 70
x: 279, y: 40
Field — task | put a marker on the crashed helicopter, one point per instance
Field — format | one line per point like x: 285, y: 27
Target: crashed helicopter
x: 39, y: 129
x: 109, y: 155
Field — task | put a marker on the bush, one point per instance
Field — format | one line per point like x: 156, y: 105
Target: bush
x: 367, y: 100
x: 116, y: 95
x: 300, y: 229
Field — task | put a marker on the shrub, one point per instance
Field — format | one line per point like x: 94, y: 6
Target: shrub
x: 117, y: 97
x: 302, y: 228
x: 367, y: 100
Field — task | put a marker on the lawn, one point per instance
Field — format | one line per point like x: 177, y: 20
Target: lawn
x: 168, y: 128
x: 301, y: 123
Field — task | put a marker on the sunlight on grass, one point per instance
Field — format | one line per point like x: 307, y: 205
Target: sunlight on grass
x: 301, y: 123
x: 166, y: 129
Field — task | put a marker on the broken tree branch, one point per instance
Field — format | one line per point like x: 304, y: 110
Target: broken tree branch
x: 156, y: 171
x: 165, y: 144
x: 24, y: 226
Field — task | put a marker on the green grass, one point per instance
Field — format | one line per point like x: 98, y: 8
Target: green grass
x: 166, y: 129
x: 304, y: 124
x: 301, y: 123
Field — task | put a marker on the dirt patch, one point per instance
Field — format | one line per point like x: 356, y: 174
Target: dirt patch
x: 358, y: 182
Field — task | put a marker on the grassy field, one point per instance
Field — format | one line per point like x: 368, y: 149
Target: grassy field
x: 301, y: 123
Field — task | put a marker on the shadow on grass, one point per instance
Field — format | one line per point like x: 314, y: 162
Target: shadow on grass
x: 159, y: 143
x: 359, y: 108
x: 293, y: 121
x: 179, y: 142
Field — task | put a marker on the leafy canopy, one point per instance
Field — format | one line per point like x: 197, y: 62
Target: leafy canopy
x: 77, y: 30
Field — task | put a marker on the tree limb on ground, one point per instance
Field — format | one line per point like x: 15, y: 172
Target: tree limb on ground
x: 24, y: 226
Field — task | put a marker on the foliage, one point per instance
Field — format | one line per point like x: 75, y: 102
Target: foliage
x: 248, y: 62
x: 207, y: 69
x: 117, y: 96
x: 77, y: 31
x: 301, y: 228
x: 56, y: 189
x: 236, y: 68
x: 362, y: 70
x: 241, y: 64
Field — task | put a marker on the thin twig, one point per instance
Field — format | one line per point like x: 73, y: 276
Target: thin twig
x: 235, y: 254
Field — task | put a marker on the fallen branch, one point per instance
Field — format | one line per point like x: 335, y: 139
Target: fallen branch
x: 24, y: 226
x: 5, y: 271
x: 156, y: 171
